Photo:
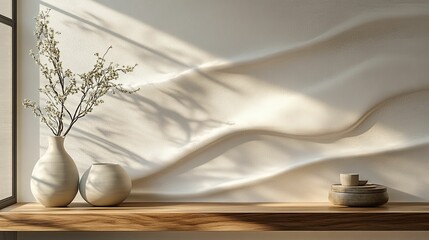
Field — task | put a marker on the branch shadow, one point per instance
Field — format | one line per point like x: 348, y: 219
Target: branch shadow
x: 167, y: 57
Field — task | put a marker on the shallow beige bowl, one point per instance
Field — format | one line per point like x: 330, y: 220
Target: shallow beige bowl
x: 362, y: 182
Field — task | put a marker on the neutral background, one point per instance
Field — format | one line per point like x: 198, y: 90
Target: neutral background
x: 244, y: 100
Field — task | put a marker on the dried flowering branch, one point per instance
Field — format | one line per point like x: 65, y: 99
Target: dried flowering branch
x: 62, y: 83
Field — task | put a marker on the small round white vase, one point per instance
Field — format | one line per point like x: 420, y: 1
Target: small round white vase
x: 55, y: 178
x: 105, y: 184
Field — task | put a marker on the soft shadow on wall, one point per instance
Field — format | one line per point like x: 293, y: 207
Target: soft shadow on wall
x: 218, y: 122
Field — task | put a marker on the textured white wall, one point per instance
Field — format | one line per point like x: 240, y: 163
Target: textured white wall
x: 245, y: 100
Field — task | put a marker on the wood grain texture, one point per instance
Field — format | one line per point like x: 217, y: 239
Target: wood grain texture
x: 215, y: 217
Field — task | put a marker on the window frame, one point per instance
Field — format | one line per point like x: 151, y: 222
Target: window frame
x: 13, y: 24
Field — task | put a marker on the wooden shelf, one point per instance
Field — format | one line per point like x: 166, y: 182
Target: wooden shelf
x: 215, y: 217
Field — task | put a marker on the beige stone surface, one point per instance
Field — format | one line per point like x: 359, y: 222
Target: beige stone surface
x: 370, y: 195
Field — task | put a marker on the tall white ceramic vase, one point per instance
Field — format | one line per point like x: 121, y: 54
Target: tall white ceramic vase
x: 55, y: 178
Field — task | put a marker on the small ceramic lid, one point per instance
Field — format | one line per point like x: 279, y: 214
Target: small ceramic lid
x: 369, y: 188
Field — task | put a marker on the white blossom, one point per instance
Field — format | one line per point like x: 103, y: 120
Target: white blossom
x: 62, y: 83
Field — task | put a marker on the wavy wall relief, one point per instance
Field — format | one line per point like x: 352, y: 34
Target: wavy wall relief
x: 274, y: 123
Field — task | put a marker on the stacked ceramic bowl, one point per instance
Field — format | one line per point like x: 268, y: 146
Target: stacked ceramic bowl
x: 353, y: 192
